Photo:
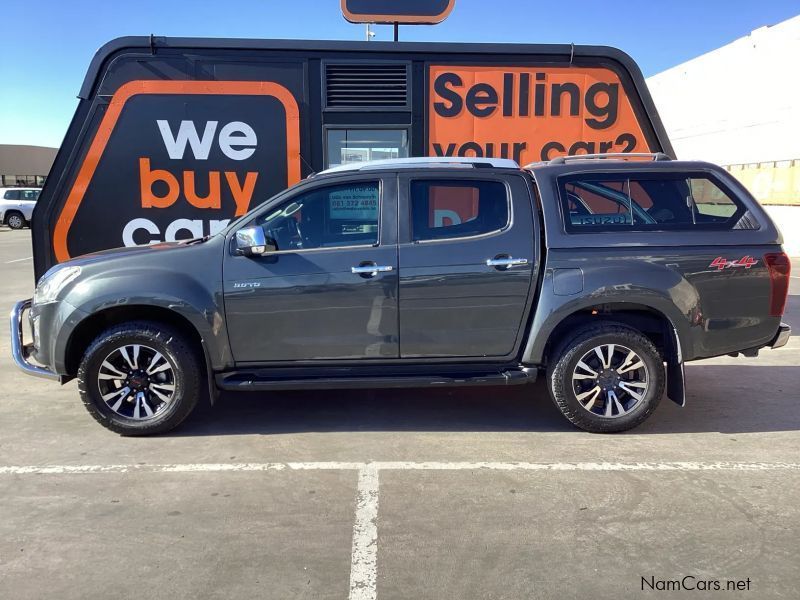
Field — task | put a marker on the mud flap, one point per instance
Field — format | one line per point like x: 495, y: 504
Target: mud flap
x: 676, y: 378
x: 213, y: 390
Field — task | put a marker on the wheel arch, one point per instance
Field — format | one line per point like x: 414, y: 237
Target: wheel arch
x: 654, y: 324
x: 89, y: 328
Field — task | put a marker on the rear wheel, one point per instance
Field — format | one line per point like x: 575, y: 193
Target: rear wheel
x: 607, y: 378
x: 15, y: 220
x: 140, y: 378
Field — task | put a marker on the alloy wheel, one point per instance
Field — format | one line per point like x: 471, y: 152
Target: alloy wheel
x: 136, y: 381
x: 610, y: 380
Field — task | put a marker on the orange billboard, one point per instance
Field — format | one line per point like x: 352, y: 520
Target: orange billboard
x: 529, y: 114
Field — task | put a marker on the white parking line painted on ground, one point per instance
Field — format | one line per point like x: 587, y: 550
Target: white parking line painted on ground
x: 395, y: 465
x: 177, y: 468
x: 8, y: 262
x: 364, y: 553
x: 364, y: 549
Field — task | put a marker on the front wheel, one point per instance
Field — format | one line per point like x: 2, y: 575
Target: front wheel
x: 606, y: 378
x: 140, y: 378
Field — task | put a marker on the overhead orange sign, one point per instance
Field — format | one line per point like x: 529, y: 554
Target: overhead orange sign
x: 529, y: 113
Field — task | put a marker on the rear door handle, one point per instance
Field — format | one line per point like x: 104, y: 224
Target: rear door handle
x: 506, y: 262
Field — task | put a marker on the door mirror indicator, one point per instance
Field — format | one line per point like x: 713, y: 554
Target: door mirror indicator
x: 251, y: 241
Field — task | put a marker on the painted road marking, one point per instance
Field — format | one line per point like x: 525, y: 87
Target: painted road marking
x: 364, y: 554
x: 8, y: 262
x: 395, y: 465
x: 364, y: 549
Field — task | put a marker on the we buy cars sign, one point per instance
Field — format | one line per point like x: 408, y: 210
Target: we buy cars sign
x: 177, y: 159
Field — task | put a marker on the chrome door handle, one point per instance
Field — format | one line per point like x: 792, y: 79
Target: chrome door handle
x: 506, y: 262
x: 371, y: 269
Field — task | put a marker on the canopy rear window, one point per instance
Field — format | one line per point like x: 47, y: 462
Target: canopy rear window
x: 649, y: 202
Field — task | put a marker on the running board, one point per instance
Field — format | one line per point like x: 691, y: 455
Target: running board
x: 249, y: 380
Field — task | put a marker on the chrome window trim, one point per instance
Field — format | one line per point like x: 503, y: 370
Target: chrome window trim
x: 321, y: 249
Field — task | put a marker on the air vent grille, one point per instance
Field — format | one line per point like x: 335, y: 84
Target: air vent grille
x: 366, y: 85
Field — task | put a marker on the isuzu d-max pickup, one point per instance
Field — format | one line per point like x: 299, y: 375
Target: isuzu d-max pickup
x: 605, y: 273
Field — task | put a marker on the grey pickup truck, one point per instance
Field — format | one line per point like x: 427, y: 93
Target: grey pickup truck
x: 606, y: 274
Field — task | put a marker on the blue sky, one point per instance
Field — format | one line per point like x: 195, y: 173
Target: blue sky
x: 46, y: 45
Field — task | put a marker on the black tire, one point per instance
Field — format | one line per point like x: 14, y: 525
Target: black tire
x: 565, y: 361
x: 15, y: 219
x: 186, y: 377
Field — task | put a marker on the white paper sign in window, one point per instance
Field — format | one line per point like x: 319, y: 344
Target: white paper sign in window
x: 354, y: 204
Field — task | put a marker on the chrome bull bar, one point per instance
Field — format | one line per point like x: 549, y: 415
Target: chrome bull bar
x: 19, y: 351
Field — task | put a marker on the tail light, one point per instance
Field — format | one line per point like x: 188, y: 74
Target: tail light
x: 779, y: 269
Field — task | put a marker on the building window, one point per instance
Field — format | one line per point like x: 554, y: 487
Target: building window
x: 345, y: 146
x: 22, y: 180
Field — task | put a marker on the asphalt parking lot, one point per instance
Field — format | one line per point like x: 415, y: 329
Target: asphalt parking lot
x: 477, y: 493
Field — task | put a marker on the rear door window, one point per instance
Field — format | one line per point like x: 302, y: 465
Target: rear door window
x: 446, y: 209
x: 29, y: 195
x: 647, y: 201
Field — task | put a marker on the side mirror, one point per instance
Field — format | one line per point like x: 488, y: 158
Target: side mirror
x: 251, y: 241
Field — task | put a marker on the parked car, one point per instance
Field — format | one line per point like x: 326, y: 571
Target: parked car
x: 16, y: 206
x: 604, y: 274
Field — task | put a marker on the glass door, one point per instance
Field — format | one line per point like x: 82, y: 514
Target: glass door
x: 351, y: 145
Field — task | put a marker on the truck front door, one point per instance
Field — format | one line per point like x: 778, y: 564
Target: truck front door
x: 467, y: 255
x: 329, y: 291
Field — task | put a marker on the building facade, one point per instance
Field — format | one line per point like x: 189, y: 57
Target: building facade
x: 25, y: 165
x: 739, y: 106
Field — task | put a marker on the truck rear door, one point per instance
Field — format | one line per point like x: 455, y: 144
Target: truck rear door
x: 466, y: 255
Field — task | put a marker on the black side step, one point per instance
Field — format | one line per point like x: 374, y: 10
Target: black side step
x: 250, y: 380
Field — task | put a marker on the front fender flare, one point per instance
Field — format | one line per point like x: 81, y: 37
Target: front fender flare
x: 138, y: 290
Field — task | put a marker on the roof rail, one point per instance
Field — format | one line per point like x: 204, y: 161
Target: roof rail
x: 654, y: 156
x: 426, y: 162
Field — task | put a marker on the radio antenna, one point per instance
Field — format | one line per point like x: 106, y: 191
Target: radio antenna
x: 306, y: 163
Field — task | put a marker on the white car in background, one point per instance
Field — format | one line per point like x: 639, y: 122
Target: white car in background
x: 16, y: 206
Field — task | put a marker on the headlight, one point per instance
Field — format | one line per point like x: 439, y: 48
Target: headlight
x: 53, y: 282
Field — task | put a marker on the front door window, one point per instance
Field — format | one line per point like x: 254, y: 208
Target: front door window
x: 342, y: 215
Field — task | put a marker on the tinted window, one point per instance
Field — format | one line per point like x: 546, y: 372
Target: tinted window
x: 710, y: 200
x: 11, y: 195
x: 647, y: 202
x: 29, y: 195
x: 442, y: 209
x: 345, y: 215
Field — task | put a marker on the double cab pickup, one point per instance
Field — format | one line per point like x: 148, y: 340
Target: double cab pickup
x: 604, y: 274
